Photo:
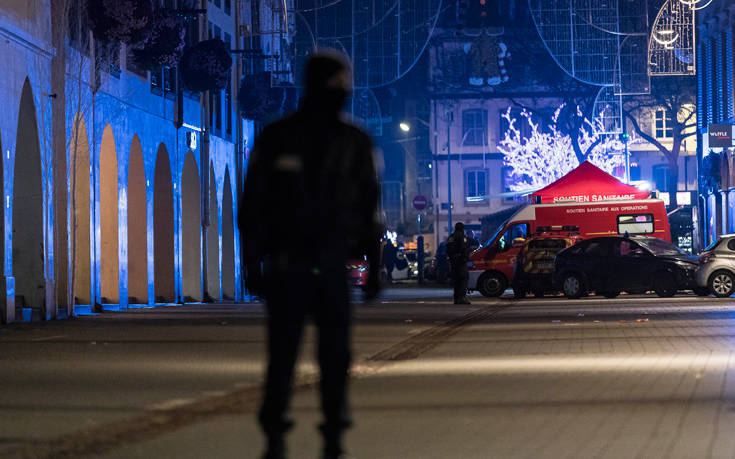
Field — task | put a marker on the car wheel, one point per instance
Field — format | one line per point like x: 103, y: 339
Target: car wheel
x: 611, y: 294
x: 701, y: 291
x: 722, y: 283
x: 664, y: 285
x: 492, y: 284
x: 573, y: 286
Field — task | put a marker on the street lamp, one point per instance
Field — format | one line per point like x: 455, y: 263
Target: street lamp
x: 404, y: 126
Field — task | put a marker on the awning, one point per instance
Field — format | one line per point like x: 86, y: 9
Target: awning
x: 587, y: 183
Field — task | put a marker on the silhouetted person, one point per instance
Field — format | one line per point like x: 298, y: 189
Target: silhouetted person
x: 458, y: 252
x: 313, y: 172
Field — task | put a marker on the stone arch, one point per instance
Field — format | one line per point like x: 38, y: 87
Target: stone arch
x: 28, y: 244
x: 228, y: 241
x: 163, y: 229
x: 213, y: 239
x: 191, y: 234
x: 109, y: 208
x: 137, y: 226
x: 81, y: 227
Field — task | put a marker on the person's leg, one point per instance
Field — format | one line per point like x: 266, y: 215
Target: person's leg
x: 333, y: 316
x: 285, y: 327
x: 456, y: 284
x: 464, y: 277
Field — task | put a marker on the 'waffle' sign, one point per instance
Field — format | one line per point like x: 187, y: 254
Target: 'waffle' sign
x: 720, y: 135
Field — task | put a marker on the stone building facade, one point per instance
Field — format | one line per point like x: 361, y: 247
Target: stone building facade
x: 119, y: 190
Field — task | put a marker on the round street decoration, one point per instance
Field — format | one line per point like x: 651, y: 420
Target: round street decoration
x: 206, y: 66
x: 165, y: 45
x: 126, y: 20
x: 419, y: 202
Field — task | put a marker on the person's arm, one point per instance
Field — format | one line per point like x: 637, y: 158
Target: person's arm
x: 251, y: 215
x: 370, y: 194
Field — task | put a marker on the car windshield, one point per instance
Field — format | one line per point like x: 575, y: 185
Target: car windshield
x: 659, y: 247
x: 497, y: 231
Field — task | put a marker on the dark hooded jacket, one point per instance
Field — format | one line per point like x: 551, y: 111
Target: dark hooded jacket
x: 311, y: 193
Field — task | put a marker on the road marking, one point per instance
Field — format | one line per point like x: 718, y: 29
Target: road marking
x: 563, y: 363
x: 49, y: 338
x: 417, y: 344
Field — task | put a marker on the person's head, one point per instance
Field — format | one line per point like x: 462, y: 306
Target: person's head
x: 327, y: 81
x: 459, y: 227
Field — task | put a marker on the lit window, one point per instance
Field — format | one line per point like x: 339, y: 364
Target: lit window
x: 662, y: 124
x: 635, y: 224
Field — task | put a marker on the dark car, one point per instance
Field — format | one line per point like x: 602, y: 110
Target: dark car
x: 636, y: 264
x: 535, y: 262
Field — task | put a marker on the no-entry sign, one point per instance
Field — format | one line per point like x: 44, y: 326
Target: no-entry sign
x: 419, y: 202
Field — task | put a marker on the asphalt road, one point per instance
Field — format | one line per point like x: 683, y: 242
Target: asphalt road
x: 636, y: 376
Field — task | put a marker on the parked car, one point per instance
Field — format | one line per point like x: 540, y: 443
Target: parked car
x: 535, y: 263
x: 609, y: 265
x: 357, y: 272
x: 438, y: 268
x: 717, y: 267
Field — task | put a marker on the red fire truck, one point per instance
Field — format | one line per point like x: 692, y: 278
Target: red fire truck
x: 492, y: 266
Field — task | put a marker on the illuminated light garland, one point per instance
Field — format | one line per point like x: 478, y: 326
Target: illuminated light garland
x: 693, y: 4
x: 543, y: 157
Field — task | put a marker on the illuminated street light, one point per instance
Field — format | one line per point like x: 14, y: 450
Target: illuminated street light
x: 405, y: 127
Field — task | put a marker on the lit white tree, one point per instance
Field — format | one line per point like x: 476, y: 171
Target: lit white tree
x: 546, y: 155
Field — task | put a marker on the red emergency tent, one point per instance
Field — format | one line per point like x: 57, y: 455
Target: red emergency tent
x: 587, y: 183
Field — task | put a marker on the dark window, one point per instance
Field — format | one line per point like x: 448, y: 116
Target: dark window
x: 218, y: 3
x: 661, y: 177
x: 217, y: 32
x: 475, y: 185
x: 635, y: 172
x: 162, y: 82
x: 635, y: 224
x: 662, y: 124
x: 228, y: 7
x: 596, y: 249
x: 626, y: 248
x: 474, y: 127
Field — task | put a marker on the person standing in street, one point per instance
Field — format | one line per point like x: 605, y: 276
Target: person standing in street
x: 458, y: 253
x: 314, y: 172
x: 389, y: 259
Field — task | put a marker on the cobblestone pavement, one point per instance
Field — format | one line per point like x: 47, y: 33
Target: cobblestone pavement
x: 631, y: 377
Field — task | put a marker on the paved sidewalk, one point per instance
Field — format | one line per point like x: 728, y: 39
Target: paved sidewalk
x: 633, y: 377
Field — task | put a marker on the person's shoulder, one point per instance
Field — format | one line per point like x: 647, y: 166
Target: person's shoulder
x: 355, y: 130
x: 276, y: 128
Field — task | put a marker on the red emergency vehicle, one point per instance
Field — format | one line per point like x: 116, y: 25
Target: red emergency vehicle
x: 587, y: 197
x: 491, y: 266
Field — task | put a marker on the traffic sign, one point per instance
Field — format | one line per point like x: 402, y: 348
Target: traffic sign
x: 419, y: 202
